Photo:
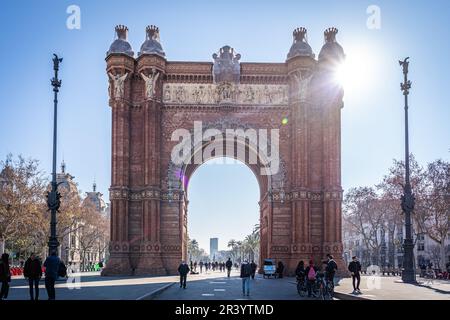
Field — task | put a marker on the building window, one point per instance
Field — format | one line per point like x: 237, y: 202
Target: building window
x: 420, y: 247
x: 421, y: 237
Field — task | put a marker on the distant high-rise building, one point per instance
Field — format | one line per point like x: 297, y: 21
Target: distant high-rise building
x: 213, y: 247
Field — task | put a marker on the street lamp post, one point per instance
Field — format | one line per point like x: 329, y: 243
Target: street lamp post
x: 407, y: 199
x: 53, y: 197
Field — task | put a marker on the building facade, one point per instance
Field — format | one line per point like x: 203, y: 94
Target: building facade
x: 213, y: 247
x: 71, y: 249
x: 390, y: 251
x: 296, y: 101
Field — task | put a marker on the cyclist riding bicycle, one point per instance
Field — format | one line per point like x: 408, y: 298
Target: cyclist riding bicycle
x: 324, y: 287
x: 301, y: 277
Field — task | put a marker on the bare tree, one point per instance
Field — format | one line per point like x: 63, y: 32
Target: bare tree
x: 22, y: 203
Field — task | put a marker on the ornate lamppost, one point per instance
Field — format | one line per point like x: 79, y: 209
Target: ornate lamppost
x: 53, y: 196
x: 408, y: 274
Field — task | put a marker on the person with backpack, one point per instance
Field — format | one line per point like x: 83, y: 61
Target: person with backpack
x: 51, y: 265
x: 311, y: 272
x: 355, y: 268
x: 33, y: 271
x: 246, y: 272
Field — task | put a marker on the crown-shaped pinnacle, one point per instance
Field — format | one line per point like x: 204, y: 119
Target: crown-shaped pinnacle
x: 330, y: 34
x: 122, y: 31
x: 300, y: 34
x: 152, y: 32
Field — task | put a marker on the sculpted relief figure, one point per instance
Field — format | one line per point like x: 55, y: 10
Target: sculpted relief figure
x: 198, y: 94
x: 167, y: 96
x: 302, y: 81
x: 118, y: 84
x: 150, y: 83
x: 225, y: 92
x: 268, y: 95
x: 249, y: 95
x: 180, y: 95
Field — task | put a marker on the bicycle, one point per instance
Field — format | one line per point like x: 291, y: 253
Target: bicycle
x: 301, y: 286
x: 324, y: 288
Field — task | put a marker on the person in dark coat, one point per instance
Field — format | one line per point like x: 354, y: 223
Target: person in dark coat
x: 254, y: 267
x: 331, y: 268
x: 228, y: 265
x: 280, y: 269
x: 33, y: 272
x: 51, y: 265
x: 246, y: 272
x: 300, y: 270
x: 183, y: 270
x: 5, y: 276
x: 355, y: 269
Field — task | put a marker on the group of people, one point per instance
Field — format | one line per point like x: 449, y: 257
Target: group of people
x: 32, y: 271
x: 220, y: 266
x: 311, y: 273
x: 248, y: 270
x: 428, y: 271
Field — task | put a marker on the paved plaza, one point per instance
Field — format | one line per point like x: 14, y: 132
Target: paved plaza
x: 217, y: 286
x: 392, y: 288
x: 92, y: 286
x: 213, y: 285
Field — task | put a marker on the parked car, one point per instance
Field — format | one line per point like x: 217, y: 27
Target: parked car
x: 269, y: 268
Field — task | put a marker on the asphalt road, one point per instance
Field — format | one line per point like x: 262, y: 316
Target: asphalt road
x: 216, y: 286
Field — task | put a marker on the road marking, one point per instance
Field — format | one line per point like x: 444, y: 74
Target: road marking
x: 219, y: 289
x: 217, y: 282
x: 208, y: 294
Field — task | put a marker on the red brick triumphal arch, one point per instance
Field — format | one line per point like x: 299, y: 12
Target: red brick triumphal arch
x: 169, y: 117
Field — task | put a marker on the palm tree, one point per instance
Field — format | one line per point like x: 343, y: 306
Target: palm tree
x: 252, y: 244
x: 193, y: 249
x: 234, y: 248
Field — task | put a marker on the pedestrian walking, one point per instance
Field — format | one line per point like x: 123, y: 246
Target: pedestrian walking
x: 254, y: 267
x: 51, y: 265
x: 228, y: 265
x: 331, y: 268
x: 201, y: 266
x: 246, y: 272
x: 280, y: 269
x: 5, y: 276
x: 33, y: 272
x: 355, y: 269
x: 183, y: 270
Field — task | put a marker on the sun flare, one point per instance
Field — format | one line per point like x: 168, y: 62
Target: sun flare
x: 357, y: 71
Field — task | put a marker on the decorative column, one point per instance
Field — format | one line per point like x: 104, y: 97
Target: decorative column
x: 150, y: 73
x: 330, y: 57
x: 120, y: 70
x: 301, y: 66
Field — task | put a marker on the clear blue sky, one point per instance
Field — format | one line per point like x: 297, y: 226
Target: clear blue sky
x: 372, y: 128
